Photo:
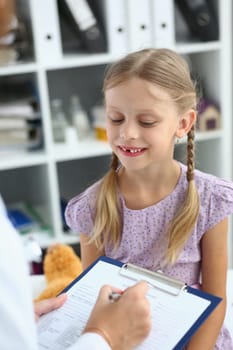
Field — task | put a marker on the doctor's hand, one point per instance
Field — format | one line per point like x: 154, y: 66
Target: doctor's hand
x: 124, y: 323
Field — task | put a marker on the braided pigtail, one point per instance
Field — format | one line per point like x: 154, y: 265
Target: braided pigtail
x: 107, y: 225
x: 182, y: 225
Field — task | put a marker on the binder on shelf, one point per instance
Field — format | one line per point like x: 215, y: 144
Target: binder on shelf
x: 71, y: 42
x: 200, y: 18
x: 174, y: 306
x: 140, y: 24
x: 86, y: 25
x: 163, y: 23
x: 47, y: 38
x: 116, y: 25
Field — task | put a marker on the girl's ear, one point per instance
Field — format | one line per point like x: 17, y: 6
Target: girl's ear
x: 185, y: 123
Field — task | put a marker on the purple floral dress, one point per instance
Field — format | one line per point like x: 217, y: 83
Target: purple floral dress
x: 143, y: 238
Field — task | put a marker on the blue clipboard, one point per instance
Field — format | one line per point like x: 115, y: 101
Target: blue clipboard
x: 171, y: 286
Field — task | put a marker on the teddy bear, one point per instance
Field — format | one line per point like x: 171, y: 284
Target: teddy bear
x: 61, y: 266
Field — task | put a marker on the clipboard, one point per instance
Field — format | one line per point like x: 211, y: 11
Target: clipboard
x: 177, y: 309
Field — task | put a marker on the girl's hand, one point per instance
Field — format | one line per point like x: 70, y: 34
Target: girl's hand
x: 47, y: 305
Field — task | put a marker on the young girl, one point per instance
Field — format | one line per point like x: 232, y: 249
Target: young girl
x: 149, y: 209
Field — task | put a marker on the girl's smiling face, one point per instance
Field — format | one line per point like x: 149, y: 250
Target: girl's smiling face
x: 142, y: 123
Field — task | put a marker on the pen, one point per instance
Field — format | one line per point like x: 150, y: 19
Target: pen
x: 114, y: 296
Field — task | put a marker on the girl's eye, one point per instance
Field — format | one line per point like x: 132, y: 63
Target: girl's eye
x: 147, y: 124
x: 116, y: 121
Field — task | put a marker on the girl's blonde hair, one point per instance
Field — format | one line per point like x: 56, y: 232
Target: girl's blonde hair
x: 168, y: 70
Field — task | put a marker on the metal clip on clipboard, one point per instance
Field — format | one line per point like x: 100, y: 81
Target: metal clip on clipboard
x: 156, y: 279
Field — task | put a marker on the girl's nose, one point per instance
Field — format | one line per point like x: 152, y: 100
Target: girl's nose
x: 128, y: 131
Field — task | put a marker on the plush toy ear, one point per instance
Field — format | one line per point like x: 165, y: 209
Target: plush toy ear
x: 61, y: 261
x: 61, y: 266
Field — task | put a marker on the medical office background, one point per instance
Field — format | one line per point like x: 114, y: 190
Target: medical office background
x: 52, y: 130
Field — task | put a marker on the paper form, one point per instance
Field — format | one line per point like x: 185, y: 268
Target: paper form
x: 172, y: 315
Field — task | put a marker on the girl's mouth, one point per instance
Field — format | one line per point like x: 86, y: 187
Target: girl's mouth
x: 131, y: 151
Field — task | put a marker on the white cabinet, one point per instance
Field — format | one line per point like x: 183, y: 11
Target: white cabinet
x: 62, y: 170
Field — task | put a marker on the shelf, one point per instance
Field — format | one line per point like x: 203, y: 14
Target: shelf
x: 85, y: 149
x: 205, y: 136
x: 189, y: 48
x: 64, y: 238
x: 46, y: 241
x: 209, y: 135
x: 12, y: 160
x: 80, y: 60
x: 19, y: 68
x: 92, y: 148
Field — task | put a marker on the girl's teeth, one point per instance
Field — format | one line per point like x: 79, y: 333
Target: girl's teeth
x: 131, y: 150
x: 134, y: 150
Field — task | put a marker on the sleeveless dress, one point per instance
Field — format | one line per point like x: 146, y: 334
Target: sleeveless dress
x: 143, y: 238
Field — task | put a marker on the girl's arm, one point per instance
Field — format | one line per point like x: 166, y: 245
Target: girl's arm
x: 89, y: 252
x: 214, y: 272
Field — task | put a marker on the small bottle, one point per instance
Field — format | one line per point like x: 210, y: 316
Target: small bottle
x: 59, y: 122
x: 79, y: 118
x: 99, y: 122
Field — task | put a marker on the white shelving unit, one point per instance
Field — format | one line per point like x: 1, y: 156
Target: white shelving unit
x: 62, y: 170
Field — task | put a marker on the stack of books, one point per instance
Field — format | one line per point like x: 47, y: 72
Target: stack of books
x: 20, y: 125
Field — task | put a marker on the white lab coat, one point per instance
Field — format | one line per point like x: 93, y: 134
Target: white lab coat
x: 17, y: 323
